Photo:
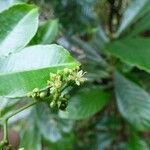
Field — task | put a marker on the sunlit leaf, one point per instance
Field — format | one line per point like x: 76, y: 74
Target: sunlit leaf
x: 18, y: 25
x: 30, y: 68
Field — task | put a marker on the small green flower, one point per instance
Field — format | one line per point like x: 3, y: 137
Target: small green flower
x: 55, y: 81
x: 67, y: 71
x: 54, y: 77
x: 36, y: 90
x: 77, y: 77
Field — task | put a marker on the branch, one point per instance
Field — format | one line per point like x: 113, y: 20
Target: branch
x: 21, y: 109
x: 5, y: 141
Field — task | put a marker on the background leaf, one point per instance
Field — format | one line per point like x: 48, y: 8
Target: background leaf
x: 46, y: 33
x: 4, y: 4
x: 50, y: 125
x: 107, y: 127
x: 135, y: 10
x: 133, y: 103
x: 136, y: 143
x: 132, y: 53
x: 141, y: 26
x: 31, y: 137
x: 85, y: 103
x: 30, y: 68
x: 66, y: 143
x: 18, y: 25
x: 6, y: 106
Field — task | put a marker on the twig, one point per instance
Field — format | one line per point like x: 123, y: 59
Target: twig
x: 5, y: 141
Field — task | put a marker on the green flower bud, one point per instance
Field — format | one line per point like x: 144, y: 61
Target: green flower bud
x: 58, y: 103
x: 29, y: 94
x: 36, y: 90
x: 43, y: 94
x: 52, y: 104
x: 52, y: 76
x: 56, y: 96
x: 34, y: 95
x: 57, y: 84
x: 67, y: 71
x: 63, y: 105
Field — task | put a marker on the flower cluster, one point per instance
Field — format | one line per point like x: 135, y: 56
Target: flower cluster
x: 57, y: 85
x: 60, y: 81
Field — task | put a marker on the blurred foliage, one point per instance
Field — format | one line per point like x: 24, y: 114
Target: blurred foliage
x: 111, y: 40
x: 73, y: 12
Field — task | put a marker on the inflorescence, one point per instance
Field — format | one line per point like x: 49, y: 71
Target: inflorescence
x: 59, y: 82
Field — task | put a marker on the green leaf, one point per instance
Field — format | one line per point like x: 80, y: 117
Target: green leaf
x: 18, y: 25
x: 30, y: 68
x: 50, y: 125
x: 85, y: 103
x: 133, y: 51
x: 104, y: 138
x: 133, y: 103
x: 141, y: 26
x: 66, y: 143
x: 31, y: 139
x: 46, y: 33
x: 136, y: 143
x: 135, y: 10
x: 91, y: 54
x: 4, y: 4
x: 6, y: 106
x: 30, y: 135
